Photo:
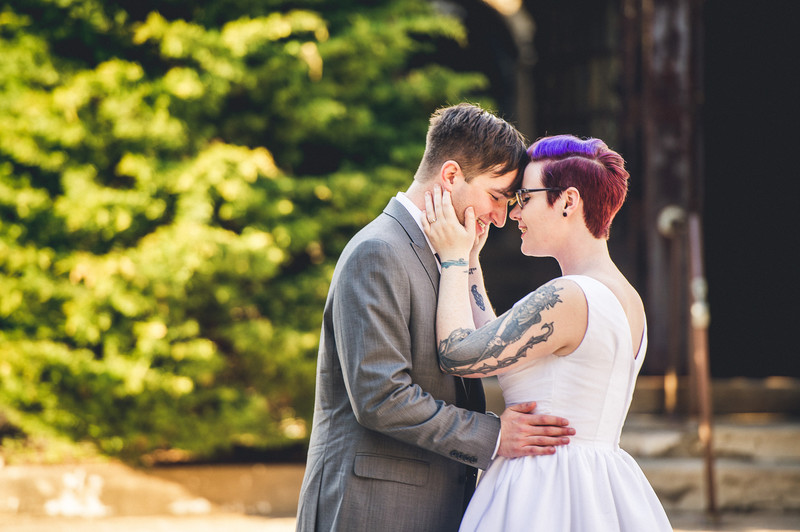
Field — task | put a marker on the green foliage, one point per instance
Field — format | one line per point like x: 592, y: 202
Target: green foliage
x: 176, y: 181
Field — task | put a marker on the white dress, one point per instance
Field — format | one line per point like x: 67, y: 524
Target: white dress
x: 590, y: 484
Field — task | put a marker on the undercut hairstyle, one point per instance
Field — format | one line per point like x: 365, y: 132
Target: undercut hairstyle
x: 590, y: 166
x: 476, y: 139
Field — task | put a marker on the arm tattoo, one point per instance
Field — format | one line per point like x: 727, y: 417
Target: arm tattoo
x: 449, y: 263
x: 472, y: 270
x: 478, y: 298
x: 467, y: 352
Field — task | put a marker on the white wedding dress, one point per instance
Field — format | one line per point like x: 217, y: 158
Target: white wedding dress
x: 590, y: 484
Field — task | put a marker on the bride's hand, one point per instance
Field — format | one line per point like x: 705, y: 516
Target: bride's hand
x: 450, y: 239
x: 480, y: 241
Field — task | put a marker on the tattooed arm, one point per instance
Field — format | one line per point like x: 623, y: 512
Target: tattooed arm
x: 540, y: 324
x: 551, y: 320
x: 458, y: 246
x: 482, y: 311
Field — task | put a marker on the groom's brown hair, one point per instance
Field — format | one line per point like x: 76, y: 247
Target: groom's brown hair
x: 477, y: 140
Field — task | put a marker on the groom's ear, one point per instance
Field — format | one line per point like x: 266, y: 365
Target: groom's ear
x: 450, y: 171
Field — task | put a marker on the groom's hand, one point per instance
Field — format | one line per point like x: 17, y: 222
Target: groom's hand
x: 523, y: 433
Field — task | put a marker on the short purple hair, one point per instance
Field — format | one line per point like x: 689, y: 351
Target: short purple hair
x: 591, y: 167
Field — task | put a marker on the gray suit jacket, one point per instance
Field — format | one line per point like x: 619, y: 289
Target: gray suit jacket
x: 389, y: 448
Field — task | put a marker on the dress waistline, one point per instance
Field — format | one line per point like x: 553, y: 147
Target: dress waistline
x: 596, y: 444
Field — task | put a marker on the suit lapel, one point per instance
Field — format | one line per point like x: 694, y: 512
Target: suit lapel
x: 417, y: 242
x: 469, y: 392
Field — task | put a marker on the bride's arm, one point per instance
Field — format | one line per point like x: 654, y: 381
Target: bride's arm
x: 538, y: 325
x: 521, y: 333
x: 482, y: 310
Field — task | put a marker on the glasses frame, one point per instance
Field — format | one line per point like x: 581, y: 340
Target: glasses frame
x: 517, y: 199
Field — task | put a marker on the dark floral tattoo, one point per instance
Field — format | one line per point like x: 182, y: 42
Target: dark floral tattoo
x: 478, y: 297
x: 467, y: 352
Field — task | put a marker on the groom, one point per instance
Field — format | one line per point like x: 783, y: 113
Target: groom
x: 395, y: 443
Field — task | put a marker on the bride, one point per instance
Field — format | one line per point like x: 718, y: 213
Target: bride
x: 575, y: 345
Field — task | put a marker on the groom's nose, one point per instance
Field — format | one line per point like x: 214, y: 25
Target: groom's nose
x: 499, y: 215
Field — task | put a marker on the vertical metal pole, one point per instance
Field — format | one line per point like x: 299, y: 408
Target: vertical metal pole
x: 674, y: 348
x: 672, y: 225
x: 700, y: 318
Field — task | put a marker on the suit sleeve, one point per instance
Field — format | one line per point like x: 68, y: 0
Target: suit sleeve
x: 372, y: 310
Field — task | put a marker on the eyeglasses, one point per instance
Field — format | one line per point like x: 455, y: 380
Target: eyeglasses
x: 521, y: 195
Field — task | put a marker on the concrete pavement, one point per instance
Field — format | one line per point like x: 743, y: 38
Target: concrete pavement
x: 238, y: 498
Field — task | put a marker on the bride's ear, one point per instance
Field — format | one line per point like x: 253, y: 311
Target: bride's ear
x: 570, y: 199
